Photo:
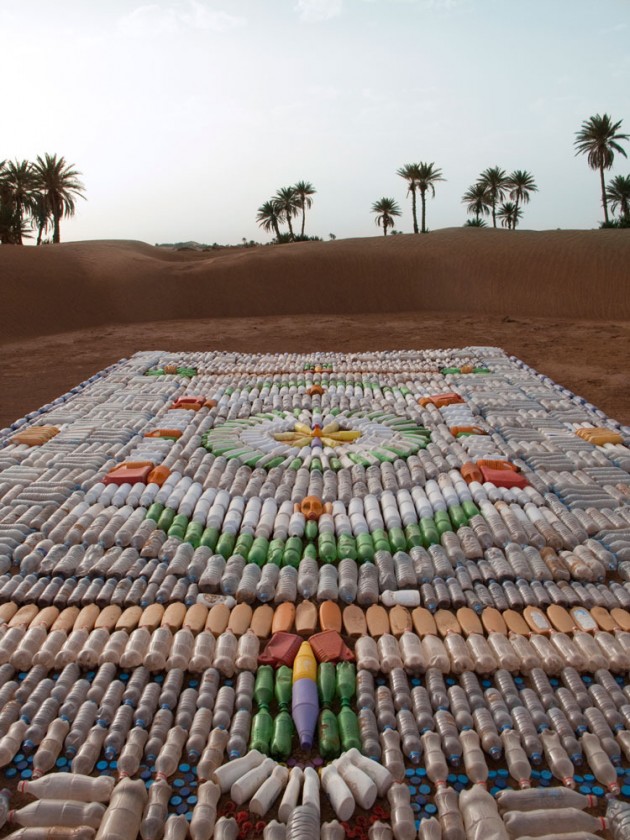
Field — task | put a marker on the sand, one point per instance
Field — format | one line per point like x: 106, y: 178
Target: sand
x: 557, y: 299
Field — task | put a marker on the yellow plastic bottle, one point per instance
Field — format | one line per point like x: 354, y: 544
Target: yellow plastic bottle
x: 305, y: 664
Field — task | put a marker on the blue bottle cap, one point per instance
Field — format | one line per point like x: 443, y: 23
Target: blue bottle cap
x: 193, y: 683
x: 182, y: 808
x: 494, y: 790
x: 451, y: 778
x: 536, y: 774
x: 625, y: 790
x: 462, y: 779
x: 588, y: 777
x: 518, y: 680
x: 415, y: 807
x: 503, y: 773
x: 191, y: 800
x: 10, y: 772
x: 492, y: 774
x: 102, y: 765
x: 113, y: 765
x: 26, y: 774
x: 409, y: 773
x: 61, y: 762
x: 502, y: 784
x: 19, y: 757
x: 546, y: 774
x: 145, y: 774
x: 585, y: 789
x: 545, y: 783
x: 486, y: 683
x: 412, y: 790
x: 175, y: 800
x: 21, y: 765
x: 431, y: 809
x: 425, y: 790
x: 421, y: 771
x: 190, y: 778
x: 458, y: 786
x: 578, y: 779
x: 597, y: 790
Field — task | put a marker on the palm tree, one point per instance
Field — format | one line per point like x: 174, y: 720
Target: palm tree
x: 599, y: 138
x: 411, y: 173
x: 479, y: 202
x: 288, y: 204
x: 59, y: 182
x: 304, y: 190
x: 387, y: 209
x: 521, y: 184
x: 496, y: 182
x: 428, y: 177
x: 618, y: 193
x: 41, y: 215
x: 19, y: 181
x: 509, y: 213
x: 477, y: 222
x: 270, y: 218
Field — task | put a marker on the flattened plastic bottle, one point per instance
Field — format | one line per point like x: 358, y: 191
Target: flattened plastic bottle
x: 401, y: 814
x: 533, y: 799
x: 77, y: 788
x: 50, y: 748
x: 516, y: 758
x: 212, y: 756
x: 205, y: 811
x: 85, y: 760
x: 557, y: 759
x: 392, y: 755
x: 481, y: 817
x: 565, y: 820
x: 46, y: 812
x: 474, y: 761
x: 168, y: 760
x: 156, y: 811
x: 434, y: 760
x: 601, y: 766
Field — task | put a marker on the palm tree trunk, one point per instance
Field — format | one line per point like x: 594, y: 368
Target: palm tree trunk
x: 424, y: 210
x: 290, y: 225
x: 515, y: 213
x: 385, y: 224
x: 494, y: 212
x: 40, y: 231
x: 303, y: 217
x: 413, y: 210
x: 276, y: 229
x: 56, y: 237
x: 604, y: 202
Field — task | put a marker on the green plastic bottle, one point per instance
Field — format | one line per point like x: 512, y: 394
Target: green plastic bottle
x: 155, y: 511
x: 243, y: 545
x: 328, y: 735
x: 209, y: 538
x: 429, y: 532
x: 347, y: 547
x: 365, y: 548
x: 276, y: 552
x: 193, y: 533
x: 310, y: 530
x: 262, y: 731
x: 282, y: 738
x: 292, y: 552
x: 263, y: 687
x: 225, y: 544
x: 166, y: 519
x: 397, y: 539
x: 326, y: 683
x: 442, y: 521
x: 258, y: 552
x: 327, y: 547
x: 283, y: 688
x: 348, y: 728
x: 346, y: 681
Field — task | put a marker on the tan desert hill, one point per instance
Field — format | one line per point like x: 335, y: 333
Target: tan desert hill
x: 560, y: 300
x: 568, y: 274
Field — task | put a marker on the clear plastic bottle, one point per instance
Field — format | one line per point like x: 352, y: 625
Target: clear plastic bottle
x: 131, y: 756
x: 124, y: 814
x: 117, y: 732
x: 224, y: 707
x: 532, y: 799
x: 516, y: 758
x: 168, y: 760
x: 422, y: 709
x: 474, y: 761
x: 392, y: 756
x: 365, y: 690
x: 368, y: 729
x: 401, y: 814
x: 147, y: 705
x: 171, y: 689
x: 181, y: 650
x: 565, y: 820
x: 212, y: 756
x: 557, y: 759
x: 410, y: 737
x: 225, y: 653
x: 460, y: 708
x: 85, y: 760
x: 58, y: 812
x: 239, y: 733
x: 78, y: 788
x: 156, y: 811
x: 434, y: 759
x: 412, y: 653
x: 366, y: 653
x: 203, y: 652
x: 447, y: 803
x: 50, y: 748
x: 159, y: 649
x: 601, y: 766
x: 445, y: 726
x: 247, y: 652
x: 430, y: 829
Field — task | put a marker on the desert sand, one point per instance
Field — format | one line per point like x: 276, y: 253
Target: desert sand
x: 557, y: 299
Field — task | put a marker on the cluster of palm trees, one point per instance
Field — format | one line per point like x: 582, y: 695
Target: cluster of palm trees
x: 283, y: 207
x: 36, y: 196
x: 599, y: 138
x: 487, y: 196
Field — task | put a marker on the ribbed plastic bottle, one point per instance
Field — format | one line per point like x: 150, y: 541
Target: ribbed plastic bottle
x: 533, y: 799
x: 401, y: 814
x: 57, y: 812
x: 557, y: 759
x: 516, y: 758
x: 565, y: 820
x: 480, y: 814
x: 72, y: 786
x: 447, y: 803
x: 304, y: 822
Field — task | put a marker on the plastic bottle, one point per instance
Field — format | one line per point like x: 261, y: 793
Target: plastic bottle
x: 303, y: 822
x: 130, y: 758
x: 565, y: 820
x: 445, y: 725
x: 401, y: 814
x: 332, y: 830
x: 124, y: 814
x: 205, y: 811
x: 380, y: 775
x: 156, y: 811
x: 533, y: 799
x: 430, y: 829
x: 275, y: 830
x: 474, y: 761
x: 226, y: 828
x: 168, y: 760
x: 601, y: 766
x: 212, y: 756
x: 269, y: 791
x: 226, y: 774
x: 225, y: 653
x: 176, y: 828
x: 88, y: 753
x: 50, y: 748
x: 361, y: 785
x: 291, y: 794
x: 392, y: 756
x: 447, y: 803
x: 12, y: 741
x: 557, y: 760
x: 480, y: 814
x: 338, y: 792
x: 117, y: 732
x: 57, y: 812
x: 434, y: 760
x: 245, y: 787
x: 516, y: 758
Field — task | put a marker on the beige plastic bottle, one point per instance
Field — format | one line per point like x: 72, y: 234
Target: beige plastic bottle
x: 565, y: 820
x: 551, y: 662
x: 430, y: 829
x: 84, y: 832
x: 474, y: 761
x: 483, y: 658
x: 557, y: 759
x: 12, y: 741
x: 459, y: 654
x: 447, y: 803
x: 47, y: 812
x: 205, y: 811
x: 212, y: 757
x: 481, y: 817
x: 534, y: 799
x: 516, y: 759
x: 503, y: 652
x: 70, y: 786
x: 176, y: 828
x: 50, y: 748
x: 599, y: 762
x: 123, y: 817
x: 435, y: 654
x: 434, y: 759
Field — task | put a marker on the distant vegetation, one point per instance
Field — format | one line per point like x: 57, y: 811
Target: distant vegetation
x: 287, y: 204
x: 34, y: 197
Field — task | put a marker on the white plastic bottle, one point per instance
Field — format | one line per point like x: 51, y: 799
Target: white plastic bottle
x: 269, y: 791
x: 227, y: 774
x: 360, y: 783
x: 291, y: 794
x: 338, y: 792
x: 244, y: 788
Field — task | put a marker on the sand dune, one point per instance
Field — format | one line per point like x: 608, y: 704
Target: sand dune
x: 559, y: 300
x: 568, y: 274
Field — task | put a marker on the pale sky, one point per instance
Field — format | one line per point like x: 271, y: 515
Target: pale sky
x: 185, y: 115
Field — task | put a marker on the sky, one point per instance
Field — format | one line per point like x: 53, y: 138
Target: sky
x: 184, y: 116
